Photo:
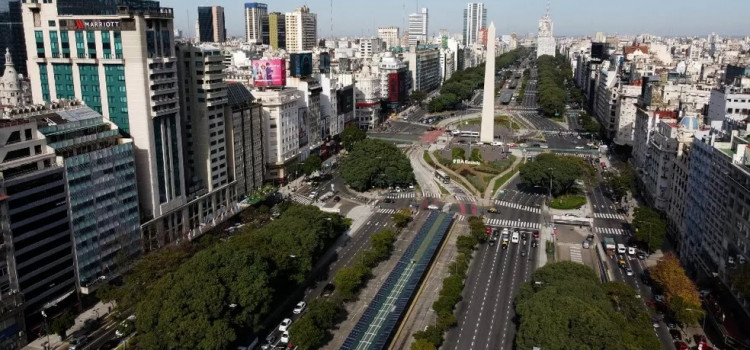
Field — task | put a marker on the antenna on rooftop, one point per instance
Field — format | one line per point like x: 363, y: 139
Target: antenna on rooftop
x: 547, y: 13
x: 331, y: 19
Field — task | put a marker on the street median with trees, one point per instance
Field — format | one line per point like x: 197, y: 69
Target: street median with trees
x: 650, y: 228
x: 680, y: 293
x: 376, y: 164
x: 554, y: 76
x: 565, y: 175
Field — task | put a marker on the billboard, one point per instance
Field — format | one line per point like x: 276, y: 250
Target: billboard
x: 93, y: 24
x: 345, y: 100
x: 271, y: 72
x: 325, y: 62
x: 302, y: 126
x: 300, y: 64
x: 393, y: 87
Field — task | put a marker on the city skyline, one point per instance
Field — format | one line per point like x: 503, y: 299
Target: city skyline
x: 521, y: 18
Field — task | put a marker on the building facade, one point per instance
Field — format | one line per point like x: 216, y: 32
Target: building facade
x: 301, y: 30
x: 475, y: 18
x: 248, y: 157
x: 390, y: 36
x: 11, y: 33
x: 13, y: 90
x: 424, y: 64
x: 545, y: 41
x: 211, y: 24
x: 273, y: 30
x: 254, y: 12
x: 281, y: 109
x: 418, y: 27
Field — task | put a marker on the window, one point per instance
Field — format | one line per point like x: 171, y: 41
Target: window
x: 27, y: 132
x: 51, y: 23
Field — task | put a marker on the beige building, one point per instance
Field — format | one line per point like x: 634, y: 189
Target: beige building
x: 301, y: 30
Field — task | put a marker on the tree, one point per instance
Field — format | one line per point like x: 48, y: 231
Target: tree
x: 740, y: 277
x: 351, y: 135
x: 62, y: 323
x: 680, y: 292
x: 306, y: 334
x: 562, y: 170
x: 311, y: 164
x: 649, y: 227
x: 477, y: 228
x: 418, y: 96
x: 422, y: 344
x: 376, y: 164
x: 348, y: 280
x: 402, y: 217
x: 476, y: 155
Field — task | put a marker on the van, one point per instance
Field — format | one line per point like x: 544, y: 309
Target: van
x: 621, y: 249
x: 514, y: 238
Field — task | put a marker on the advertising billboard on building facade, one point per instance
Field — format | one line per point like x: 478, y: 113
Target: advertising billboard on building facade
x: 300, y: 64
x: 302, y: 120
x: 325, y: 62
x: 393, y: 87
x: 345, y: 100
x: 269, y: 72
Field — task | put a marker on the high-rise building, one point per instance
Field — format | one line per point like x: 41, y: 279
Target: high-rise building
x: 254, y: 12
x: 418, y: 27
x: 248, y: 153
x: 211, y: 26
x: 301, y: 30
x: 424, y: 64
x: 11, y: 33
x: 37, y: 242
x: 124, y: 67
x: 389, y: 35
x: 281, y: 116
x: 475, y: 18
x: 545, y: 42
x: 273, y: 30
x: 102, y: 190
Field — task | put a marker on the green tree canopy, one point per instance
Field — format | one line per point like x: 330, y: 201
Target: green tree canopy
x: 564, y: 306
x: 649, y: 227
x: 311, y: 164
x: 351, y: 135
x: 376, y: 163
x: 562, y: 170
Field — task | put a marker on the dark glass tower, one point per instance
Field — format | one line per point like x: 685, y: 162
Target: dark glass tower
x: 11, y: 34
x: 205, y: 24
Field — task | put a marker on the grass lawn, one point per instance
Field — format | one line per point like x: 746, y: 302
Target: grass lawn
x: 500, y: 120
x: 504, y: 179
x: 427, y: 159
x: 442, y: 189
x: 568, y: 202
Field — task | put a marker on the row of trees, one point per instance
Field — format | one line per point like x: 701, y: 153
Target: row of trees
x: 561, y: 170
x: 524, y: 82
x: 450, y: 294
x: 201, y: 297
x: 565, y: 306
x: 461, y: 85
x: 554, y: 74
x: 650, y: 228
x: 622, y: 182
x: 312, y: 329
x: 680, y: 293
x: 376, y: 164
x: 589, y: 123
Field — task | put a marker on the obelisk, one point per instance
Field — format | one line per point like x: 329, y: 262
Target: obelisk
x: 487, y: 135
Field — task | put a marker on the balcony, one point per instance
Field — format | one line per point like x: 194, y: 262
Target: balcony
x: 163, y: 100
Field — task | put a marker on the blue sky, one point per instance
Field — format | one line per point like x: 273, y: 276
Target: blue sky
x: 571, y: 17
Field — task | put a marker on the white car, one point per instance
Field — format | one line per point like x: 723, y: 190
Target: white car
x: 579, y: 147
x: 631, y: 251
x: 299, y: 308
x: 313, y: 194
x: 285, y: 337
x: 284, y: 326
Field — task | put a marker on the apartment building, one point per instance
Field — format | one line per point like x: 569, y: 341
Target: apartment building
x: 390, y: 36
x: 301, y: 30
x: 248, y: 158
x: 211, y: 25
x: 254, y: 12
x: 281, y: 110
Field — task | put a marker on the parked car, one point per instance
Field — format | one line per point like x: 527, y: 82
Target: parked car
x: 299, y: 308
x: 285, y: 337
x: 284, y: 325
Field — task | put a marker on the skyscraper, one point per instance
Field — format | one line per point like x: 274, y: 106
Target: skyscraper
x: 211, y: 26
x: 254, y: 12
x: 545, y: 41
x: 418, y: 27
x: 273, y: 30
x: 301, y: 30
x: 475, y: 18
x: 389, y: 35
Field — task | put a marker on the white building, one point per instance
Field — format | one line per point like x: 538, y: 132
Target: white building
x: 301, y: 30
x: 729, y: 102
x: 475, y: 18
x: 13, y: 91
x: 367, y: 94
x: 447, y: 64
x: 545, y: 41
x: 281, y: 115
x: 625, y: 112
x: 254, y: 12
x: 368, y: 47
x: 418, y: 25
x: 389, y: 35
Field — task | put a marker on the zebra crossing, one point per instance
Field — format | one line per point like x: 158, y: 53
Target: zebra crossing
x: 460, y: 218
x: 511, y: 223
x: 401, y: 195
x: 426, y: 194
x: 611, y: 231
x: 386, y: 211
x: 575, y: 254
x: 461, y: 198
x: 610, y: 216
x: 301, y: 200
x: 519, y: 206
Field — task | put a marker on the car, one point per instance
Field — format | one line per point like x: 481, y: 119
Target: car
x: 523, y: 253
x: 336, y: 199
x: 299, y: 308
x: 656, y: 325
x: 681, y: 345
x: 124, y: 328
x: 313, y: 194
x: 628, y: 271
x: 78, y: 342
x: 388, y: 200
x: 536, y: 234
x: 586, y: 244
x: 659, y: 298
x: 495, y: 232
x: 641, y: 255
x: 284, y: 325
x: 704, y: 293
x: 488, y: 230
x: 328, y: 289
x: 524, y: 235
x: 284, y: 337
x: 631, y: 250
x: 492, y: 210
x: 622, y: 263
x: 590, y: 238
x: 579, y: 147
x: 271, y: 338
x: 534, y: 243
x: 492, y: 241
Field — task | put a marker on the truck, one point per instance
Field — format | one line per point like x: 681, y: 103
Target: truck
x: 609, y: 245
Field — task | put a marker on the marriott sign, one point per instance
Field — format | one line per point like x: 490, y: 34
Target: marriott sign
x: 91, y: 24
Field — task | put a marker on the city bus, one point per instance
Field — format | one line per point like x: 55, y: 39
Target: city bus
x: 469, y: 133
x: 442, y: 176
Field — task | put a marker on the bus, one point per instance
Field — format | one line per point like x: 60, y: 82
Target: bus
x: 469, y: 133
x: 440, y: 175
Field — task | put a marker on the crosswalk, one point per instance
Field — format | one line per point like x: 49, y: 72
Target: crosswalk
x: 610, y: 216
x: 461, y: 198
x: 511, y: 223
x: 426, y: 194
x: 401, y: 195
x: 460, y: 218
x: 386, y: 211
x: 518, y: 206
x: 301, y: 200
x: 575, y: 254
x: 611, y: 231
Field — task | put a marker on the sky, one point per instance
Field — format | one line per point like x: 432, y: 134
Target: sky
x: 357, y: 18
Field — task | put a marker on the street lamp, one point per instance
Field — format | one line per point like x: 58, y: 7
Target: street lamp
x: 46, y: 328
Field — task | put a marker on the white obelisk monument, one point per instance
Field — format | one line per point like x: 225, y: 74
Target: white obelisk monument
x: 487, y: 135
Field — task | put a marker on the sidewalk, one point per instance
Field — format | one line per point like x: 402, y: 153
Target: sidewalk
x: 490, y: 192
x: 100, y: 310
x: 453, y: 174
